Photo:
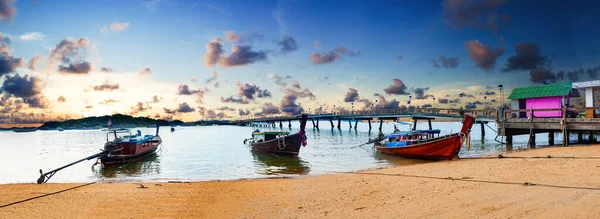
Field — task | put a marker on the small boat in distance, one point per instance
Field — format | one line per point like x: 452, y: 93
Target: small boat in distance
x: 423, y: 144
x: 125, y: 147
x: 279, y: 142
x: 60, y: 129
x: 25, y: 130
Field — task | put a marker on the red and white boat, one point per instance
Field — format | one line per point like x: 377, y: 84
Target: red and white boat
x: 422, y: 145
x: 125, y: 147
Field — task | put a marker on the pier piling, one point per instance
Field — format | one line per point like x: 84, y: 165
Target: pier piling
x: 482, y: 129
x: 532, y: 140
x: 355, y: 124
x: 290, y: 123
x: 509, y: 140
x: 551, y: 138
x: 331, y: 121
x: 280, y: 124
x: 317, y: 124
x: 380, y: 125
x: 339, y: 123
x: 369, y: 124
x: 591, y: 138
x: 579, y: 137
x: 313, y: 122
x: 350, y: 123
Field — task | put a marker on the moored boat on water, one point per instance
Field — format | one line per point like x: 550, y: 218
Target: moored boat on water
x: 279, y: 142
x: 125, y: 147
x: 424, y: 145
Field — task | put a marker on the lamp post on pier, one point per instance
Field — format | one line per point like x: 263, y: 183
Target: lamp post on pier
x: 501, y: 88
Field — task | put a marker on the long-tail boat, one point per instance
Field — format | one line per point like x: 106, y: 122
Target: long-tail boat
x: 125, y: 147
x: 279, y: 142
x: 423, y: 145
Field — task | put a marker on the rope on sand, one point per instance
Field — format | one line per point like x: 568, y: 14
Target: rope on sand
x: 467, y: 179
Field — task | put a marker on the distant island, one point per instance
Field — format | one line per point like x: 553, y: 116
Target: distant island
x: 118, y: 121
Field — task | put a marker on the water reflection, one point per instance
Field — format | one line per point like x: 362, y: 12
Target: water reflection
x: 148, y: 166
x: 269, y: 164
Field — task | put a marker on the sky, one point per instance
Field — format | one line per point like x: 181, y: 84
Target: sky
x: 200, y: 60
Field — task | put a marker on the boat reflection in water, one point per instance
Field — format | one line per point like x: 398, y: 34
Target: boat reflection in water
x: 148, y: 166
x: 398, y: 161
x: 270, y: 164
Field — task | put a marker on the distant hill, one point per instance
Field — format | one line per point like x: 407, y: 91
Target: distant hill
x: 117, y: 120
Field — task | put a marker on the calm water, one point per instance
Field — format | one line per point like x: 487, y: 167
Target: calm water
x: 212, y: 153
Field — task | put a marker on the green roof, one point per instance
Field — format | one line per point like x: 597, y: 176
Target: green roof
x: 550, y: 90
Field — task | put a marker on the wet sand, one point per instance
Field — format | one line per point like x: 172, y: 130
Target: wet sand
x: 485, y: 188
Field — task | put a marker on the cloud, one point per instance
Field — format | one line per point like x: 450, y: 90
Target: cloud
x: 484, y: 56
x: 37, y: 102
x: 268, y: 109
x: 185, y: 90
x: 287, y: 44
x: 7, y: 9
x: 296, y: 85
x: 89, y: 106
x: 106, y: 86
x: 61, y: 99
x: 288, y: 103
x: 152, y: 4
x: 242, y: 112
x: 398, y: 88
x: 76, y: 68
x: 316, y: 44
x: 282, y: 81
x: 31, y: 65
x: 466, y: 95
x: 475, y: 14
x: 210, y: 114
x: 232, y: 99
x: 115, y: 27
x: 156, y: 99
x: 225, y: 108
x: 541, y: 75
x: 325, y: 58
x: 145, y: 72
x: 214, y: 50
x: 445, y: 62
x: 384, y: 104
x: 32, y: 36
x: 108, y: 102
x: 251, y: 91
x: 427, y: 105
x: 71, y: 53
x: 182, y: 108
x: 443, y: 101
x: 399, y: 57
x: 8, y: 63
x: 331, y: 56
x: 242, y: 55
x: 528, y: 57
x: 244, y: 37
x: 214, y: 77
x: 376, y: 94
x: 192, y: 79
x: 351, y: 95
x: 489, y: 93
x: 139, y: 107
x: 22, y: 86
x: 105, y: 69
x: 420, y: 93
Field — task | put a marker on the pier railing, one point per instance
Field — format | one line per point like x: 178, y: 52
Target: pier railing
x: 565, y: 112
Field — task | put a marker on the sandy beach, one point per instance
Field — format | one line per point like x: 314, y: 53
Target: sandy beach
x: 491, y: 188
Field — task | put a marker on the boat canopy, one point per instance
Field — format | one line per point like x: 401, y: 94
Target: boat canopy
x: 271, y: 133
x: 398, y: 134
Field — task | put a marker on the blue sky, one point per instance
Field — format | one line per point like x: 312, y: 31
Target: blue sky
x: 170, y: 38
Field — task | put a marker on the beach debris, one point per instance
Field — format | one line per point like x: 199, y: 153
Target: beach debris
x: 142, y: 186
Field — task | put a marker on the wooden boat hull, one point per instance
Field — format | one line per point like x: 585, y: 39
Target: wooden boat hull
x: 131, y: 152
x: 291, y: 146
x: 442, y: 148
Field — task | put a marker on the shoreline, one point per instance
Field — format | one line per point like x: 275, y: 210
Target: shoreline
x: 459, y: 188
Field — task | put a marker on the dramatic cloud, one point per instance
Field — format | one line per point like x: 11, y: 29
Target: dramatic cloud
x: 61, y: 99
x: 225, y: 108
x: 474, y: 13
x: 7, y: 9
x: 105, y: 69
x: 251, y: 91
x: 156, y: 99
x: 22, y: 86
x: 288, y: 103
x: 214, y: 50
x: 71, y: 53
x: 351, y: 95
x: 427, y: 105
x: 76, y: 68
x: 398, y: 88
x: 232, y: 99
x: 183, y: 108
x: 214, y: 77
x: 106, y: 86
x: 384, y: 104
x: 32, y: 36
x: 399, y: 57
x: 331, y: 56
x: 287, y: 44
x: 420, y: 93
x: 242, y: 55
x: 282, y: 81
x: 268, y: 109
x: 145, y: 72
x: 443, y: 101
x: 442, y: 61
x: 185, y: 90
x: 484, y: 56
x: 212, y: 115
x: 109, y: 102
x: 115, y: 26
x: 528, y: 57
x: 463, y: 94
x: 542, y: 75
x: 242, y: 112
x: 8, y: 63
x: 31, y: 65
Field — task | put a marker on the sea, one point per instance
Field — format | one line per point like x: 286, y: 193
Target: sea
x: 204, y: 153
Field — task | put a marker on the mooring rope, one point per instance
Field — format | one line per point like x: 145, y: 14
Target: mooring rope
x: 465, y: 179
x: 49, y: 194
